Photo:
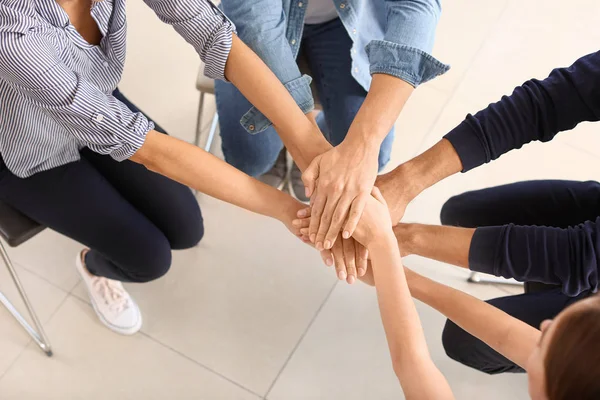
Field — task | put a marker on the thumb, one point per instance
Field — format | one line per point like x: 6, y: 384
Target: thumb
x: 310, y: 176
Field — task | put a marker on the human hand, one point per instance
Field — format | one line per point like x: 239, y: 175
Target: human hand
x: 287, y: 218
x: 339, y: 183
x: 349, y: 256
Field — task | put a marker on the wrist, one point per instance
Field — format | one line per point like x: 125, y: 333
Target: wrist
x: 381, y: 241
x: 408, y: 238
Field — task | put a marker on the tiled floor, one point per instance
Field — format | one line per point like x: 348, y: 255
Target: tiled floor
x: 251, y: 313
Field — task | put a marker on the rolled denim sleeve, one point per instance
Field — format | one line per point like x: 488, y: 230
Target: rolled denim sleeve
x: 405, y: 49
x: 203, y: 26
x: 261, y: 25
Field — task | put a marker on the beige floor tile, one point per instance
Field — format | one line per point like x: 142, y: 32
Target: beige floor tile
x: 51, y: 256
x: 240, y: 301
x: 45, y: 299
x: 91, y: 363
x: 552, y: 160
x: 161, y: 71
x: 530, y: 40
x: 345, y: 356
x: 463, y: 28
x: 417, y: 118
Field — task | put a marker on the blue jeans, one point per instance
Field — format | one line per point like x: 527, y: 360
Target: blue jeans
x: 327, y: 49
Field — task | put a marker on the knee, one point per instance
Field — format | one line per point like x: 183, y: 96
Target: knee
x: 451, y: 211
x: 189, y: 233
x: 466, y: 349
x: 453, y: 341
x: 153, y: 264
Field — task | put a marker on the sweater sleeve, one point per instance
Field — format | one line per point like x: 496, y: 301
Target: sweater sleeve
x: 537, y: 110
x: 568, y: 257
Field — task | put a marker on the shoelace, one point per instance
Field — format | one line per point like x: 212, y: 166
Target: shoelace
x: 113, y: 293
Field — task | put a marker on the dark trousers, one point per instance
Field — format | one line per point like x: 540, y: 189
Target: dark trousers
x: 130, y: 218
x: 550, y: 203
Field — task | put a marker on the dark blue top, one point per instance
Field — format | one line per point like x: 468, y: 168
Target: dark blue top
x: 537, y: 110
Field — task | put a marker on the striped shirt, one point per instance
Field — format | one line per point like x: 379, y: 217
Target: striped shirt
x: 56, y: 88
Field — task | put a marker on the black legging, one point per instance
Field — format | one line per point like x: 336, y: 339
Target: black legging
x: 130, y: 217
x: 544, y: 203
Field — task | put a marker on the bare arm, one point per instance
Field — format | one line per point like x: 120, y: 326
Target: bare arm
x: 261, y: 87
x: 507, y: 335
x: 194, y: 167
x: 418, y: 375
x: 447, y: 244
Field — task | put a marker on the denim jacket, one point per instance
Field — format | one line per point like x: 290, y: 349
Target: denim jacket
x: 393, y: 37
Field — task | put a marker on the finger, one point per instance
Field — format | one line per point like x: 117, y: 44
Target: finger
x: 350, y: 259
x: 377, y: 194
x: 310, y: 176
x: 325, y: 223
x: 318, y: 204
x: 301, y: 223
x: 303, y: 213
x: 358, y: 206
x: 362, y: 256
x: 338, y: 258
x: 327, y: 257
x: 304, y: 232
x: 339, y: 216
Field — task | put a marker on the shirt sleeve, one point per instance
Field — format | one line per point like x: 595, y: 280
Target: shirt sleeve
x: 29, y: 63
x: 203, y: 26
x: 537, y: 110
x: 261, y: 25
x: 405, y: 50
x: 568, y: 257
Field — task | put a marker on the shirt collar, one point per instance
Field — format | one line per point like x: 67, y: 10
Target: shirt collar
x: 52, y: 12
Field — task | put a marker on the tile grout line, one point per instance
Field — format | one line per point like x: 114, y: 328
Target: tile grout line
x: 183, y: 355
x: 67, y: 295
x: 300, y: 340
x: 462, y: 78
x: 36, y: 274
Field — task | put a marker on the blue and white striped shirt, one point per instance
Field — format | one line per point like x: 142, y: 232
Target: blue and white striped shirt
x: 56, y: 88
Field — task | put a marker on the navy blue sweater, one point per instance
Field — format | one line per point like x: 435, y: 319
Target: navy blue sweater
x: 537, y: 110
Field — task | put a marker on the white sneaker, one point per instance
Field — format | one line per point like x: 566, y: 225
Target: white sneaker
x: 113, y: 305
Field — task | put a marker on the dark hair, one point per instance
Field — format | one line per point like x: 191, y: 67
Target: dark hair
x: 572, y: 361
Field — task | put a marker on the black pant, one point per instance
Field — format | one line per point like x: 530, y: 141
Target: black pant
x: 130, y: 217
x: 551, y: 203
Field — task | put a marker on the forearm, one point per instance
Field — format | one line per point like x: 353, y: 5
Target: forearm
x: 380, y: 110
x: 193, y: 167
x: 408, y: 180
x: 535, y: 111
x: 566, y: 257
x: 507, y: 335
x: 412, y: 363
x: 447, y: 244
x: 261, y: 87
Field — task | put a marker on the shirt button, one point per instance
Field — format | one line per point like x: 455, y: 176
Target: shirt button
x: 343, y: 5
x: 300, y: 4
x: 105, y: 63
x: 99, y: 118
x: 355, y: 69
x: 354, y: 31
x: 251, y: 127
x: 293, y: 41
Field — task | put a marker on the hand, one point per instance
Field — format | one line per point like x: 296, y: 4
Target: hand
x: 339, y: 183
x: 375, y: 222
x: 287, y: 219
x: 350, y: 257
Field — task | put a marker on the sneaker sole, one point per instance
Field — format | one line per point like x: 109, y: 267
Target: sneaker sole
x: 290, y: 189
x: 118, y: 329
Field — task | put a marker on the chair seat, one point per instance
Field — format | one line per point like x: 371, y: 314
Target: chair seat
x: 205, y: 84
x: 16, y: 228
